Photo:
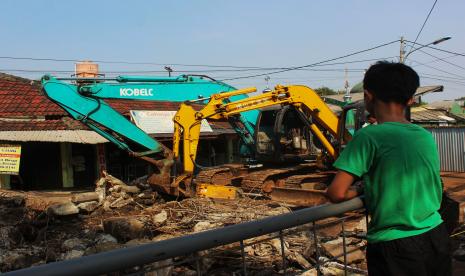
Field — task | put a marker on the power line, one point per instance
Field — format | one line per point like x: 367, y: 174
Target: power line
x: 437, y: 69
x: 239, y: 68
x: 441, y: 76
x: 314, y: 64
x: 422, y: 26
x: 456, y: 82
x: 437, y: 49
x: 443, y: 59
x: 164, y: 71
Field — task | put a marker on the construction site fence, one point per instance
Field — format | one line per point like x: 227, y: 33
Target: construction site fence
x: 134, y: 260
x: 451, y: 147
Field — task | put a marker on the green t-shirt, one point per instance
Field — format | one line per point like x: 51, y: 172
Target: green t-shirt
x: 399, y: 164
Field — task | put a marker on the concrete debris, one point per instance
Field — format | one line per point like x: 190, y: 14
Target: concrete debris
x: 74, y: 244
x: 88, y: 207
x: 102, y: 238
x: 135, y: 242
x: 124, y: 229
x: 20, y: 258
x: 102, y: 247
x: 291, y: 255
x: 205, y: 225
x: 63, y: 209
x: 72, y: 254
x: 115, y: 217
x: 84, y: 197
x: 335, y: 249
x: 160, y: 218
x: 10, y: 237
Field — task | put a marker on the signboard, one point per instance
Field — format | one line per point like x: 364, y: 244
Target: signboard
x: 158, y: 122
x: 10, y: 155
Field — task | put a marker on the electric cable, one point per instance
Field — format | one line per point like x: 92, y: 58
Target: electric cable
x: 443, y: 59
x: 422, y: 26
x: 314, y: 64
x: 437, y: 69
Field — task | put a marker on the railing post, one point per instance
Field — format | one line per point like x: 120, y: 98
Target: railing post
x: 244, y: 266
x: 317, y: 251
x: 197, y: 264
x: 283, y: 254
x: 344, y: 248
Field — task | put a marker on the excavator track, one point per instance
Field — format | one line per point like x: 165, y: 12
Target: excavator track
x: 224, y: 175
x: 301, y: 184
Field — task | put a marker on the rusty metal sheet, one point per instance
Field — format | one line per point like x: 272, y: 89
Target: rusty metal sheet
x: 299, y: 197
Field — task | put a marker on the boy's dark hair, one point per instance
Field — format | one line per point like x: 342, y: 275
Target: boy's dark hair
x: 391, y: 81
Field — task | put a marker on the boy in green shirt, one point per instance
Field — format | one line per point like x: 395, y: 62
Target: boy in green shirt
x: 399, y: 164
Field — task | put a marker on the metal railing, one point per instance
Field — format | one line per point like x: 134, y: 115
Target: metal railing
x: 134, y: 260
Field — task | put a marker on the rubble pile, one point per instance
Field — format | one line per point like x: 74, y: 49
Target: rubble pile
x: 118, y: 215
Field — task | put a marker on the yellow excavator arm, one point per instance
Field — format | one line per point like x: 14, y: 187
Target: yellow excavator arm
x: 187, y: 120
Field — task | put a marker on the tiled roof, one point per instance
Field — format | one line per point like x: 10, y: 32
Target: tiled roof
x: 23, y: 98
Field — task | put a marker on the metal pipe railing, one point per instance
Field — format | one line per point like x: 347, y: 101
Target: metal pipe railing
x: 117, y: 260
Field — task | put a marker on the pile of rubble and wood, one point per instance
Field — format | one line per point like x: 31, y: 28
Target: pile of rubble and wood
x: 37, y: 228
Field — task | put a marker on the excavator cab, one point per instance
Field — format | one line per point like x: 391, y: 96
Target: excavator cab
x: 283, y: 135
x: 352, y: 118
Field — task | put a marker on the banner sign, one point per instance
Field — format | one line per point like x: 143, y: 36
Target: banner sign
x: 158, y: 122
x: 10, y: 155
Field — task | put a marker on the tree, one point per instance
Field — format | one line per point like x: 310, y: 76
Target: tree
x: 325, y: 91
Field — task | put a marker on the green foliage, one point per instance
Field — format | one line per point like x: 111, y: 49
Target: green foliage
x: 325, y: 91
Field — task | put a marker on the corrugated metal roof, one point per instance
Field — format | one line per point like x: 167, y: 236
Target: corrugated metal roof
x: 424, y: 115
x: 72, y: 136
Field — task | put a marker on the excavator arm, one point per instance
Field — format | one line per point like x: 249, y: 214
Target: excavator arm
x: 84, y: 100
x: 187, y: 119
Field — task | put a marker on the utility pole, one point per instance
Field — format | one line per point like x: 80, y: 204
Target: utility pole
x: 347, y: 96
x: 402, y: 50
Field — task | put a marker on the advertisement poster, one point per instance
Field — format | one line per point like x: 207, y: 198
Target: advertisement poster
x: 10, y: 155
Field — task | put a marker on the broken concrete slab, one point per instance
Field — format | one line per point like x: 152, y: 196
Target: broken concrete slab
x: 84, y: 197
x: 74, y: 244
x: 102, y: 238
x: 205, y: 225
x: 102, y: 247
x: 124, y: 229
x: 160, y: 218
x: 63, y: 209
x: 72, y: 254
x: 88, y: 207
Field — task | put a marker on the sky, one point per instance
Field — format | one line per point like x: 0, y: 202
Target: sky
x: 239, y: 34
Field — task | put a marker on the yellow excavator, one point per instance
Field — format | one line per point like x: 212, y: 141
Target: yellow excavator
x: 288, y: 181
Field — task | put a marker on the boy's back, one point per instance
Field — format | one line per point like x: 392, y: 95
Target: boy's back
x: 399, y: 164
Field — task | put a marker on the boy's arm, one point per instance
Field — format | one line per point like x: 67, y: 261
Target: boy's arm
x: 340, y: 189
